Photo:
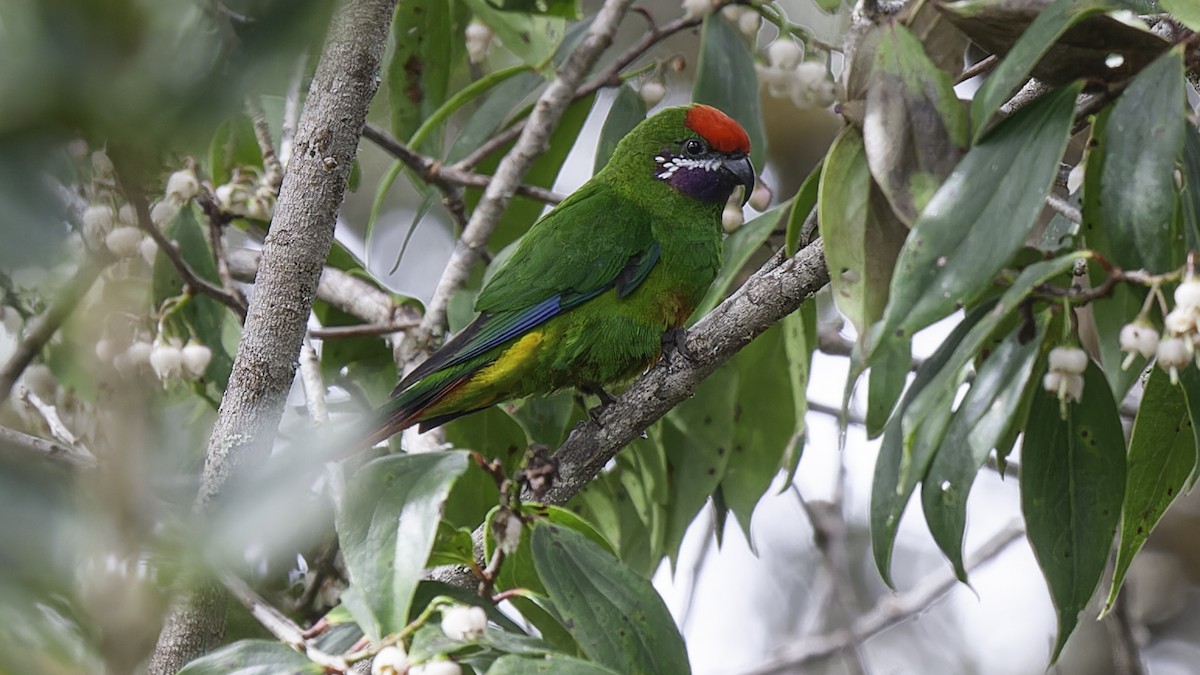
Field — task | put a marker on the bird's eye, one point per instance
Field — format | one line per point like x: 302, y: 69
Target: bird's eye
x: 693, y: 147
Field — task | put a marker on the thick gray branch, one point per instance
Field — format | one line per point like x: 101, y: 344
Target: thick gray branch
x: 292, y: 261
x: 532, y: 142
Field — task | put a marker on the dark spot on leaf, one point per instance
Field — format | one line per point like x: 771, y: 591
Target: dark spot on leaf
x: 1083, y: 433
x: 1170, y: 491
x: 737, y: 412
x: 1140, y: 530
x: 712, y: 471
x: 412, y: 72
x: 707, y: 419
x: 569, y: 623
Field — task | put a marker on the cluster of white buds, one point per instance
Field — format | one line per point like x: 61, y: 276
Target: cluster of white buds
x: 697, y: 9
x: 479, y: 41
x: 1182, y: 327
x: 747, y: 19
x: 391, y: 660
x: 249, y: 199
x: 1065, y: 377
x: 168, y: 359
x: 788, y: 75
x: 464, y: 622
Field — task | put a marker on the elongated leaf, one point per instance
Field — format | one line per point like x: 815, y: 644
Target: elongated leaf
x: 530, y: 37
x: 615, y: 615
x: 726, y: 79
x: 890, y: 365
x: 386, y: 528
x: 628, y: 109
x: 1145, y: 137
x: 1072, y: 486
x: 739, y: 247
x: 1190, y: 194
x: 799, y: 341
x: 980, y: 216
x: 989, y: 409
x: 252, y: 657
x: 1188, y: 13
x: 802, y: 205
x: 764, y: 423
x: 915, y: 129
x: 552, y: 664
x: 233, y: 145
x: 862, y: 236
x: 1012, y: 72
x: 568, y: 9
x: 1162, y: 454
x: 1189, y: 381
x: 426, y: 46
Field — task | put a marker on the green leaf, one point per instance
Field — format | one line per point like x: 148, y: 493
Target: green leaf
x: 802, y: 205
x: 531, y: 38
x: 990, y: 408
x: 890, y: 365
x: 1189, y: 381
x: 799, y: 340
x: 862, y: 236
x: 1144, y: 139
x: 739, y: 247
x: 628, y: 109
x: 367, y: 360
x: 1190, y: 193
x: 1162, y: 454
x: 1185, y: 11
x: 426, y: 46
x: 980, y: 216
x: 233, y: 145
x: 726, y: 79
x: 698, y: 436
x: 1014, y: 70
x: 1072, y: 487
x: 545, y: 419
x: 615, y: 615
x: 387, y: 526
x: 252, y: 657
x: 568, y: 9
x: 915, y: 129
x: 495, y: 435
x: 553, y: 664
x: 764, y: 423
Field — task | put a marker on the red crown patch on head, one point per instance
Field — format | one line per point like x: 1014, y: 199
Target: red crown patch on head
x: 719, y: 129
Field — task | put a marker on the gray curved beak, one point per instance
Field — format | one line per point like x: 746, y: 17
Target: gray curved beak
x: 743, y: 171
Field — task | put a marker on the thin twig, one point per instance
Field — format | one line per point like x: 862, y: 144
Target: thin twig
x: 279, y: 625
x: 361, y: 330
x: 888, y: 612
x: 445, y: 178
x: 42, y: 328
x: 314, y: 385
x: 217, y: 219
x: 547, y: 113
x: 978, y: 68
x: 57, y: 452
x: 1064, y: 208
x: 273, y: 169
x: 57, y: 429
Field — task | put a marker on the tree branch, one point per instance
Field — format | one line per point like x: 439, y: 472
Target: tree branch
x: 293, y: 258
x: 57, y: 452
x: 42, y: 328
x: 533, y: 140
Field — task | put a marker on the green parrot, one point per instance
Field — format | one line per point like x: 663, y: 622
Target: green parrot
x: 594, y: 287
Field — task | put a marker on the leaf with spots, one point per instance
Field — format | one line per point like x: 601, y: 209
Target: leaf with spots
x: 426, y: 47
x: 551, y: 664
x: 980, y: 216
x: 1189, y: 382
x: 1162, y: 453
x: 1072, y: 488
x: 532, y: 38
x: 616, y: 615
x: 387, y: 525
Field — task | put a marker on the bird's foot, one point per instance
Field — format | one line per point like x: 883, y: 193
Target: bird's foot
x: 606, y: 399
x: 674, y: 341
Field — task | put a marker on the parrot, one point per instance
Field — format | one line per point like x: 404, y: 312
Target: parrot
x: 594, y: 289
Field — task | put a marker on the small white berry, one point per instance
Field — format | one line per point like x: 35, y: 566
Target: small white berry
x: 129, y: 362
x: 1051, y: 381
x: 163, y: 212
x: 101, y: 164
x: 166, y: 360
x: 149, y: 250
x: 784, y: 53
x: 733, y: 12
x: 479, y: 41
x: 391, y: 660
x: 127, y: 215
x: 760, y: 197
x: 196, y: 358
x: 1179, y: 321
x: 653, y: 92
x: 182, y: 186
x: 11, y: 321
x: 124, y: 241
x: 697, y: 9
x: 1138, y: 338
x: 464, y: 622
x: 97, y: 221
x: 1072, y: 360
x: 749, y: 23
x: 1173, y: 354
x: 106, y: 350
x: 1187, y: 295
x: 732, y: 218
x: 436, y: 668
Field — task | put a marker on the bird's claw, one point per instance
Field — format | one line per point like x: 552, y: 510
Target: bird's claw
x: 674, y: 341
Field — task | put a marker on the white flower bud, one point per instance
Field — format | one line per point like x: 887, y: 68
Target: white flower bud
x: 391, y: 660
x: 231, y: 197
x: 733, y: 12
x: 507, y: 531
x: 196, y: 358
x: 784, y: 53
x: 1138, y: 338
x: 11, y: 321
x: 436, y: 668
x: 127, y: 215
x: 732, y: 218
x: 1071, y: 388
x: 166, y: 360
x: 1173, y: 354
x: 760, y: 197
x: 749, y: 23
x: 1072, y: 360
x: 98, y: 218
x: 1187, y: 295
x: 653, y: 92
x: 101, y: 164
x: 697, y: 9
x: 479, y: 41
x: 258, y: 208
x: 149, y: 250
x: 1179, y: 321
x: 106, y: 350
x: 163, y: 212
x: 1075, y: 177
x: 124, y: 241
x: 129, y: 362
x: 182, y: 186
x: 464, y: 622
x: 1051, y: 381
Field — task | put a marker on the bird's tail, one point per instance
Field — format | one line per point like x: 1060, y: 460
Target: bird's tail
x: 410, y: 406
